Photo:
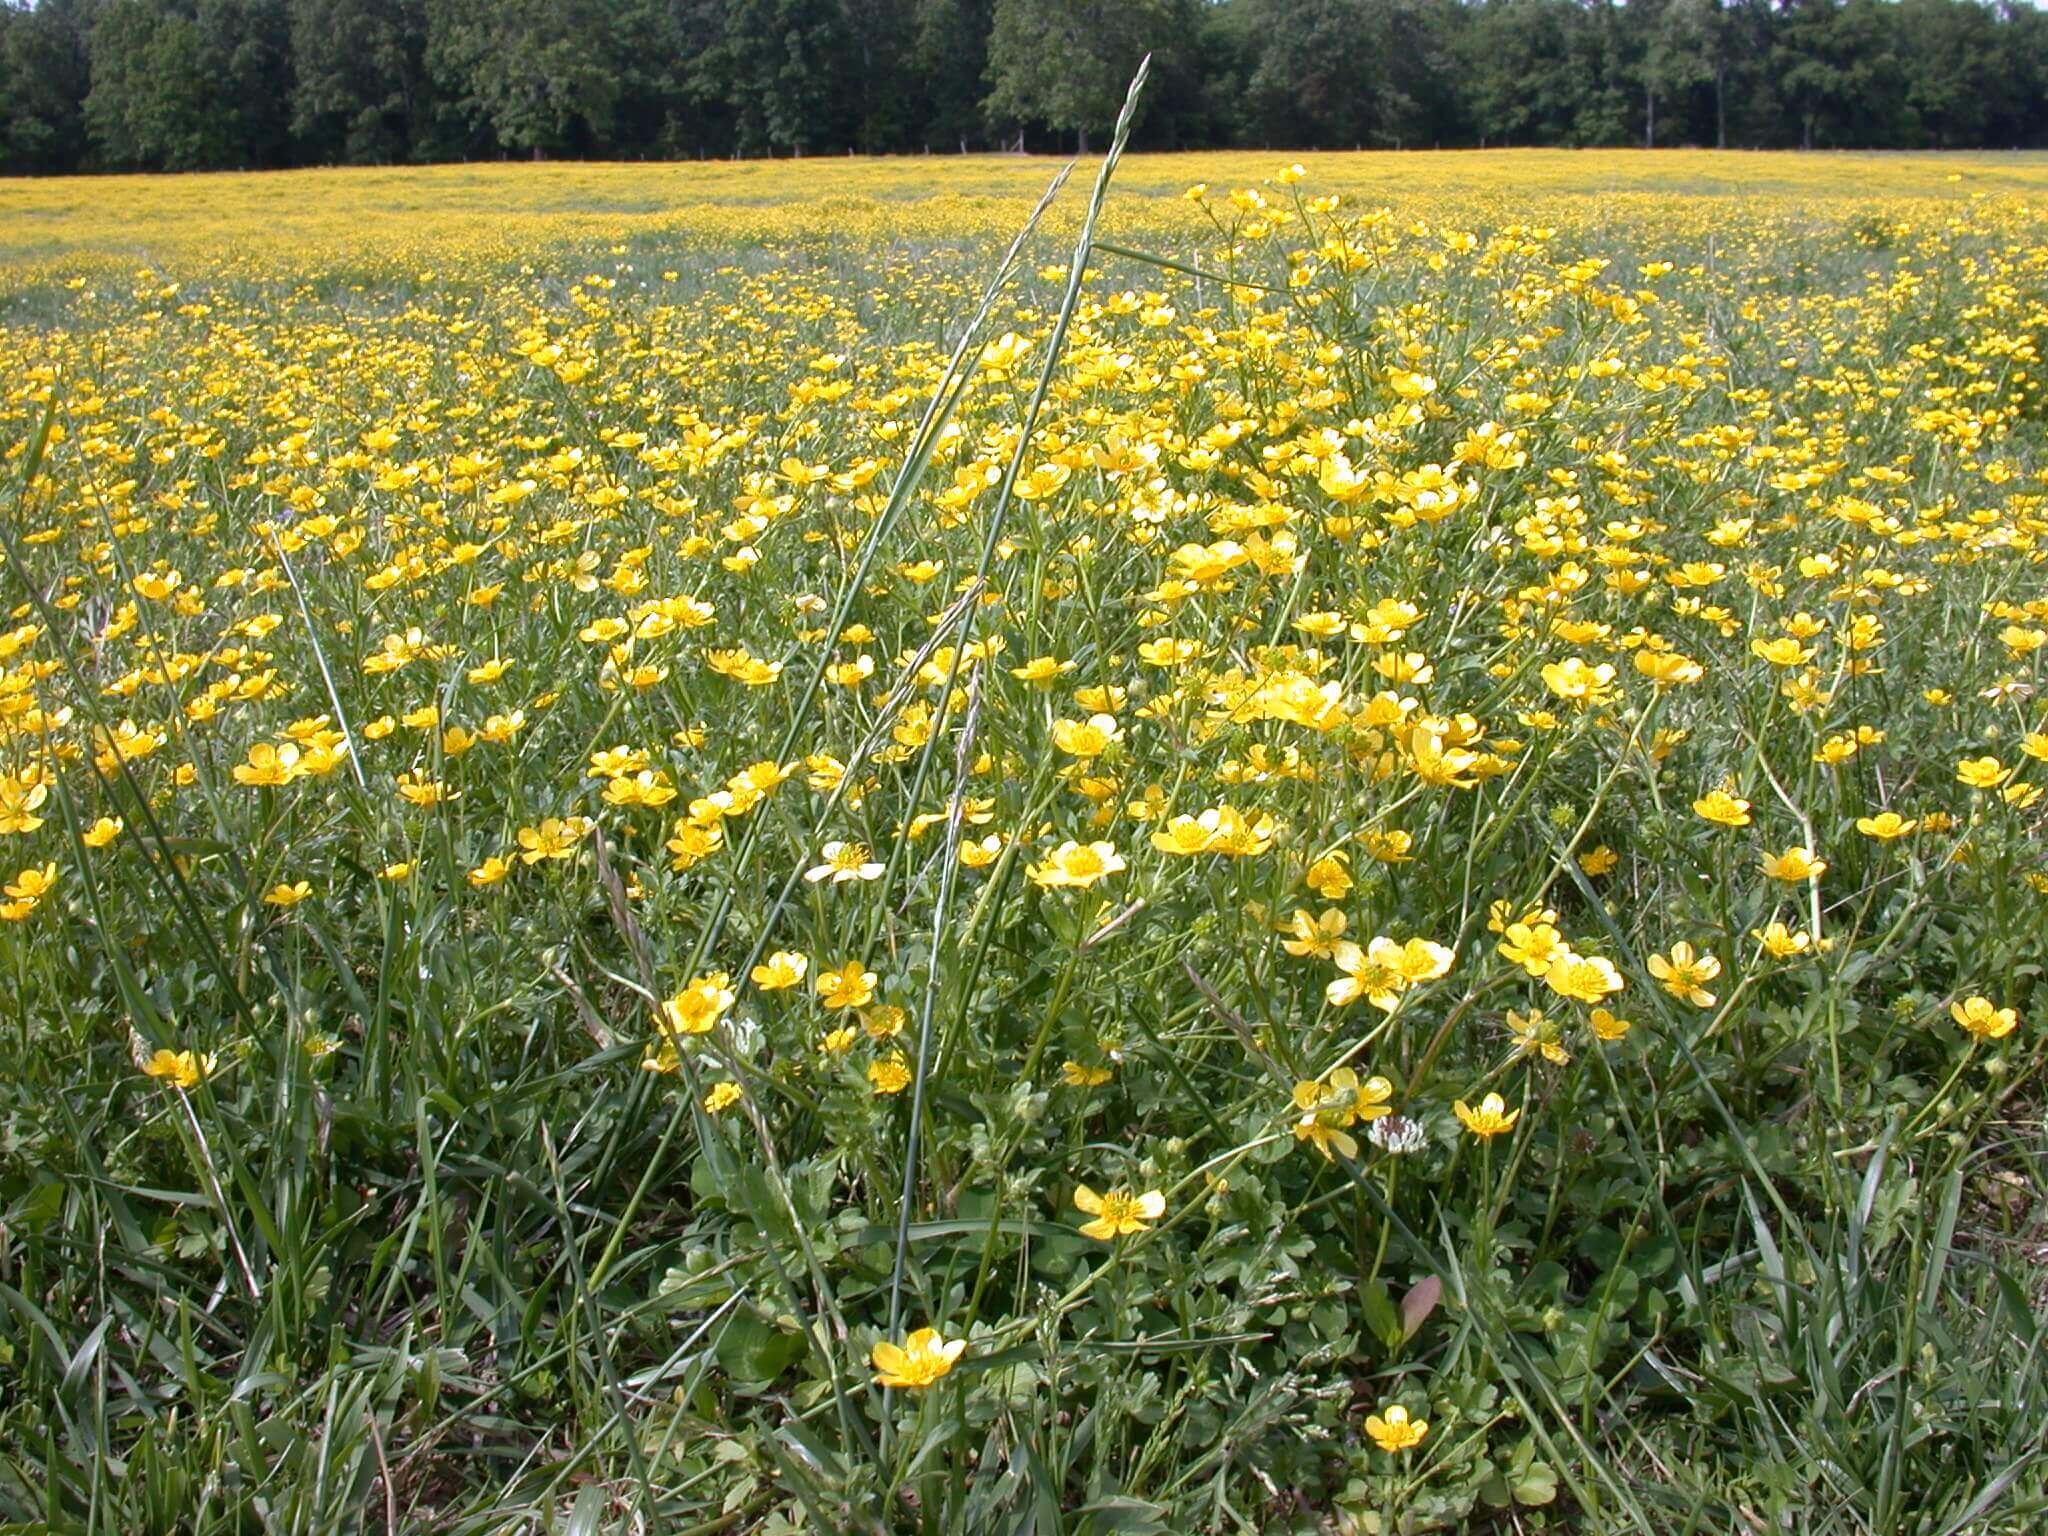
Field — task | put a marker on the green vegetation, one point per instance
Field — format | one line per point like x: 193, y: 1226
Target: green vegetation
x: 1368, y: 871
x: 237, y: 84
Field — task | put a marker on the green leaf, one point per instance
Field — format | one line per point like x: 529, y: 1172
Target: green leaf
x: 1376, y: 1307
x: 1536, y: 1486
x: 752, y: 1349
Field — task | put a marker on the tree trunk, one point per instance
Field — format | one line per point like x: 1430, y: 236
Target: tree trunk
x: 1082, y: 136
x: 1720, y: 105
x: 1649, y: 119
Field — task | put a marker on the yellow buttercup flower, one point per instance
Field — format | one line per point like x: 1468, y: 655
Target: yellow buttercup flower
x: 1583, y: 978
x: 1118, y: 1213
x: 1599, y: 861
x: 1389, y: 846
x: 1314, y: 937
x: 842, y: 862
x: 1609, y: 1026
x: 1381, y: 971
x: 424, y: 792
x: 268, y: 765
x: 1491, y: 1118
x: 1668, y: 669
x: 183, y: 1069
x: 1982, y: 772
x: 554, y: 838
x: 784, y: 969
x: 889, y: 1075
x: 1578, y: 682
x: 1326, y: 1110
x: 1684, y: 972
x: 698, y: 1007
x: 1086, y: 738
x: 21, y: 795
x: 1329, y: 878
x: 33, y: 883
x: 1041, y: 671
x: 1421, y: 960
x: 1077, y: 866
x: 1782, y: 652
x: 918, y: 1362
x: 649, y: 789
x: 850, y: 986
x: 1535, y: 947
x: 721, y: 1097
x: 1184, y: 836
x: 1722, y: 809
x: 1394, y: 1431
x: 1536, y: 1034
x: 1781, y: 942
x: 1794, y: 864
x: 1984, y: 1019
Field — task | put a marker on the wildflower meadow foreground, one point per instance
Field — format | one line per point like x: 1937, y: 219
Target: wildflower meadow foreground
x: 1358, y: 849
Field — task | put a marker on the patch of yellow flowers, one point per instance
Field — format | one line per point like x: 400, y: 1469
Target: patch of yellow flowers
x: 496, y: 604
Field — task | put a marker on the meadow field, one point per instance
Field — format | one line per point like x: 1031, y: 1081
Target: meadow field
x: 802, y: 847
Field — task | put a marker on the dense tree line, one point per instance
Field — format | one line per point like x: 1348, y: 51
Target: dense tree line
x: 191, y: 84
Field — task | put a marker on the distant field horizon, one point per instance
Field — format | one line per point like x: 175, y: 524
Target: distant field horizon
x: 155, y: 218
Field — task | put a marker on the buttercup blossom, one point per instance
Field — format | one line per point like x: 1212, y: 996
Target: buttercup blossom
x: 1684, y: 972
x: 843, y: 862
x: 1118, y: 1213
x: 918, y: 1362
x: 698, y: 1007
x: 1583, y: 978
x: 1490, y: 1119
x: 1722, y: 809
x: 1077, y: 865
x: 1394, y: 1431
x: 850, y: 986
x: 1794, y: 864
x: 1326, y: 1110
x: 781, y: 970
x: 1983, y: 1018
x: 183, y: 1069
